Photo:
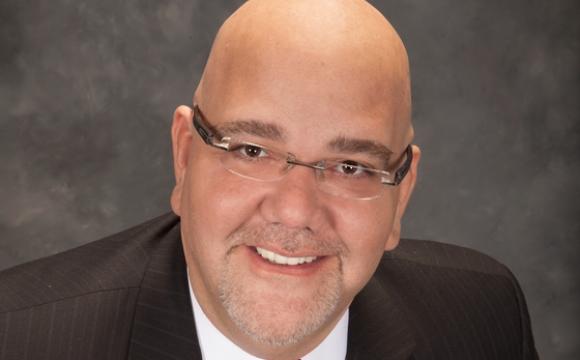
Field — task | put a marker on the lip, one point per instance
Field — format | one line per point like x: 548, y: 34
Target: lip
x: 277, y: 250
x: 262, y: 265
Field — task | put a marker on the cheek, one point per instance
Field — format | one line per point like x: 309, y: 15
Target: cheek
x: 218, y: 201
x: 212, y: 208
x: 366, y: 225
x: 365, y: 229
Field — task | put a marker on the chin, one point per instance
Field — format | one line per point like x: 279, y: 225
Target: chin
x: 275, y: 316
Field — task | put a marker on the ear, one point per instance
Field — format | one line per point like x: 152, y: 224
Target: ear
x: 405, y: 190
x: 181, y: 142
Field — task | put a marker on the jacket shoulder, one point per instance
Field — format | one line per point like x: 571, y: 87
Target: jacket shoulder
x: 115, y: 262
x: 441, y: 255
x: 458, y: 296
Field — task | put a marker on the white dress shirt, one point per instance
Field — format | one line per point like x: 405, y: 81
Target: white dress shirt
x: 215, y: 346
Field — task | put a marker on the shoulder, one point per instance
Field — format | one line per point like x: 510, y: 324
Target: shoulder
x: 444, y: 273
x: 426, y: 253
x: 460, y: 296
x: 115, y: 262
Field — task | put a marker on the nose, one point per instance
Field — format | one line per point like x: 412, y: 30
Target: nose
x: 294, y: 201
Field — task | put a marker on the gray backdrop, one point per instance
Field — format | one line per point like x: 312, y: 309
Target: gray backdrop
x: 88, y: 88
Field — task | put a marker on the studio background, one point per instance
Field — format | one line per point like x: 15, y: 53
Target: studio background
x: 88, y: 88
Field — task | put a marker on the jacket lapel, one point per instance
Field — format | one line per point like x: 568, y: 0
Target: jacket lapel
x: 378, y: 327
x: 163, y: 326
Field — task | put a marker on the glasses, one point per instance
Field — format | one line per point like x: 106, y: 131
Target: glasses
x: 344, y: 177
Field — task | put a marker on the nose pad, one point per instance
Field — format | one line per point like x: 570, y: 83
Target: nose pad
x: 317, y: 168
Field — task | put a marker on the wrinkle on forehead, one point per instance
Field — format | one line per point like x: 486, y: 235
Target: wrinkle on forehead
x: 343, y: 42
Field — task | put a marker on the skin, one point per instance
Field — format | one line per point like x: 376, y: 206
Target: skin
x: 343, y: 74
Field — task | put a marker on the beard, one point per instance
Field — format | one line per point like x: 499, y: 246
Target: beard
x: 273, y: 314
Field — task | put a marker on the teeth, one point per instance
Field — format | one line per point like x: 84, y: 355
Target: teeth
x: 284, y: 260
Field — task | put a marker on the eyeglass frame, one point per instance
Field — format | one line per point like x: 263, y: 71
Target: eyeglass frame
x: 209, y: 136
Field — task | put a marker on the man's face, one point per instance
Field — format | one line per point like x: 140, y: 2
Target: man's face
x: 231, y: 224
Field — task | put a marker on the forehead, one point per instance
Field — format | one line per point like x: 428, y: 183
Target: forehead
x: 298, y: 78
x: 338, y: 87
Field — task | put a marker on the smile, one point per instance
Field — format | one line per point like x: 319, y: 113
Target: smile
x: 284, y: 260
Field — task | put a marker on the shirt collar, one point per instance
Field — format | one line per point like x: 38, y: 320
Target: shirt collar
x: 215, y: 346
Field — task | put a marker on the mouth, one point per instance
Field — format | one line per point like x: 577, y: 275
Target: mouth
x: 267, y: 261
x: 279, y: 259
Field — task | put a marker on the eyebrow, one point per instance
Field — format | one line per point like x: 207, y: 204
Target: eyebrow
x: 251, y: 127
x: 345, y: 144
x: 274, y: 132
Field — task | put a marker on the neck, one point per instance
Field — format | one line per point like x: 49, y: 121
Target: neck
x: 285, y: 352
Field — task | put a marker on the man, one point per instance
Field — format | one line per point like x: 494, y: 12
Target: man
x: 293, y: 169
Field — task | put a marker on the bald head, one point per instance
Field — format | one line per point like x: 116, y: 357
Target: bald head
x: 342, y: 53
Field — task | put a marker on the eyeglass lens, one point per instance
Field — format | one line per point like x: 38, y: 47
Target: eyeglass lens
x: 347, y: 179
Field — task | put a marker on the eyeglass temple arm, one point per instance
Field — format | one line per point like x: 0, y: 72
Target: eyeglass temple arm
x: 404, y: 169
x: 201, y: 127
x: 207, y: 134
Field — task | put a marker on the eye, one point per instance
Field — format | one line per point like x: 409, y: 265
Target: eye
x: 352, y: 168
x: 251, y: 151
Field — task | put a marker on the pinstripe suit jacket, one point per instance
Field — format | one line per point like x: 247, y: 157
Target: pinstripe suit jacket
x: 126, y: 297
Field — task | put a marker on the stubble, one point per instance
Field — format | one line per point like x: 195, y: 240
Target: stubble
x: 274, y: 315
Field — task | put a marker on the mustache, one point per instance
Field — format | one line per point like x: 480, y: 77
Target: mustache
x: 291, y: 240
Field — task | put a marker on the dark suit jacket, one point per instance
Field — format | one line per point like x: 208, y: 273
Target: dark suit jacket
x: 127, y: 297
